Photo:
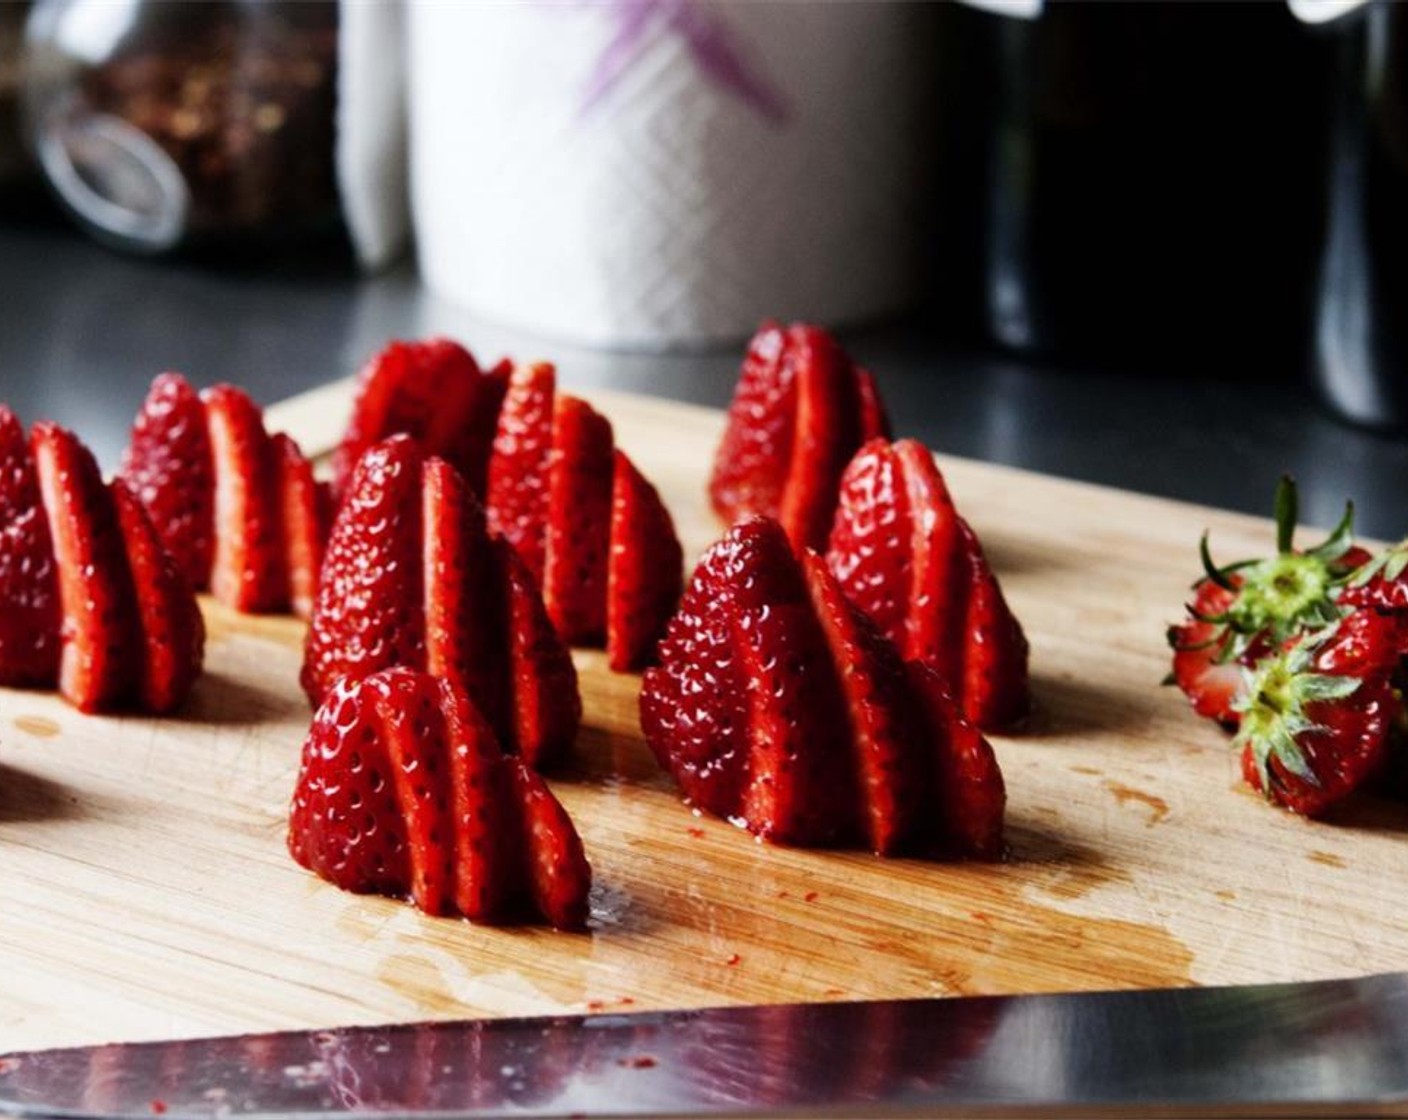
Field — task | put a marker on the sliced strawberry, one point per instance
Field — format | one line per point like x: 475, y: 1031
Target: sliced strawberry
x: 547, y: 705
x: 1214, y: 687
x: 796, y: 790
x: 465, y: 416
x: 466, y: 615
x: 779, y: 704
x: 305, y: 513
x: 30, y: 621
x: 432, y: 391
x: 517, y: 499
x: 800, y: 411
x: 750, y: 468
x: 872, y: 548
x: 889, y: 764
x: 249, y: 572
x: 98, y: 666
x: 995, y: 690
x: 345, y: 823
x: 412, y: 732
x: 403, y: 791
x: 874, y: 423
x: 487, y: 849
x: 171, y: 630
x: 828, y: 433
x: 412, y: 578
x: 369, y: 613
x: 1318, y: 715
x: 905, y: 557
x: 579, y: 521
x: 645, y: 573
x: 970, y: 794
x: 558, y: 875
x: 170, y: 466
x: 693, y: 704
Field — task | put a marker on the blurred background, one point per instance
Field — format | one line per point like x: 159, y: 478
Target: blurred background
x: 1159, y: 245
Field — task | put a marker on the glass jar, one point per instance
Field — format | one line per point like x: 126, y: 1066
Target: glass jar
x: 164, y: 126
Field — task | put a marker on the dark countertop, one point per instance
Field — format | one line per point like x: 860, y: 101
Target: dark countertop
x: 82, y: 331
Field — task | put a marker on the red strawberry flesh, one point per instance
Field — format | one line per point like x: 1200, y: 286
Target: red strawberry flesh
x: 170, y: 627
x: 465, y: 612
x: 547, y: 705
x: 249, y: 571
x: 432, y: 391
x: 30, y: 621
x: 170, y: 467
x: 97, y: 669
x: 579, y: 522
x: 645, y: 573
x: 403, y: 791
x: 517, y: 501
x: 890, y: 769
x: 305, y: 514
x: 369, y: 613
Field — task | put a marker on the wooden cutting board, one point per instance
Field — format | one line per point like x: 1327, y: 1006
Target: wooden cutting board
x: 145, y: 891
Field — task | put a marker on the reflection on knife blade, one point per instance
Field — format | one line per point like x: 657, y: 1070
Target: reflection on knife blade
x: 1308, y: 1048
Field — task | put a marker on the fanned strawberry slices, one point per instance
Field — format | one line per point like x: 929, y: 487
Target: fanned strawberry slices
x: 432, y: 390
x: 93, y: 601
x: 801, y: 410
x: 781, y: 706
x: 404, y: 791
x: 907, y: 559
x: 588, y: 527
x: 238, y: 509
x: 412, y: 577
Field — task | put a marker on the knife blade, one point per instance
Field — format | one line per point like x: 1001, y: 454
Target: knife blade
x: 1309, y: 1048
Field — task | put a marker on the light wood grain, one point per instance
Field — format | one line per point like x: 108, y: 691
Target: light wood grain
x: 146, y: 890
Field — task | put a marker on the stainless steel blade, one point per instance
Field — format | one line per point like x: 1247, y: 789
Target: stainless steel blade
x: 1314, y: 1048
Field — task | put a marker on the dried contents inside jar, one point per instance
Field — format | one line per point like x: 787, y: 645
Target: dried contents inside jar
x: 201, y: 123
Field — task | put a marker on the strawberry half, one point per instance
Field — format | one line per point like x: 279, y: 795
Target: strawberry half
x: 800, y: 411
x: 97, y: 666
x: 645, y: 572
x: 433, y: 391
x: 466, y: 616
x: 517, y: 498
x: 779, y: 705
x: 404, y: 791
x: 906, y: 558
x: 411, y: 577
x: 170, y: 467
x: 1242, y: 611
x: 305, y: 509
x: 369, y: 613
x: 579, y: 521
x: 1317, y: 716
x: 238, y: 509
x: 250, y: 570
x: 547, y: 704
x: 170, y: 627
x: 29, y: 624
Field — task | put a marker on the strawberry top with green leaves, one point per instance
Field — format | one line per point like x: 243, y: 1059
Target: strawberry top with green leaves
x: 1316, y: 717
x: 1241, y: 610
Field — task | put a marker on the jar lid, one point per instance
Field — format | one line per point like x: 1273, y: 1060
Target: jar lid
x: 114, y: 176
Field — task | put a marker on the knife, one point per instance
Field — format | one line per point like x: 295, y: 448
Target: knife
x: 1313, y: 1048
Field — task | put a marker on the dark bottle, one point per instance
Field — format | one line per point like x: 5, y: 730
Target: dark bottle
x: 1361, y: 321
x: 1153, y: 181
